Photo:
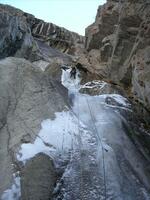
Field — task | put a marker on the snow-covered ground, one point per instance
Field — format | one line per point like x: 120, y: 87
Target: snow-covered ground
x: 103, y: 159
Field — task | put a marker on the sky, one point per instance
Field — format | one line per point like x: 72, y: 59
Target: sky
x: 74, y: 15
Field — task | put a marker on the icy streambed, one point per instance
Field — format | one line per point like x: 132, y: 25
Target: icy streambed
x: 102, y: 157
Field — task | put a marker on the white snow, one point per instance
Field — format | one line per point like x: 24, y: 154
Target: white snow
x: 55, y: 136
x: 94, y: 84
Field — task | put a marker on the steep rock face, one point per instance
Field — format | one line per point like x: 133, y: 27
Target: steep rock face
x: 99, y: 37
x: 19, y: 32
x: 124, y: 49
x: 28, y: 96
x: 139, y: 61
x: 107, y: 17
x: 131, y: 16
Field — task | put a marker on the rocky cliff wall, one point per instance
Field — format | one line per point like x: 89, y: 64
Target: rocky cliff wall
x: 121, y: 37
x: 56, y: 36
x: 30, y: 88
x: 19, y: 32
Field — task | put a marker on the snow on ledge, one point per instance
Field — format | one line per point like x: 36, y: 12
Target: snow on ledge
x: 94, y: 84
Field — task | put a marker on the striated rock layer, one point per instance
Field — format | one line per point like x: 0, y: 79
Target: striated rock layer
x: 56, y: 36
x: 121, y: 37
x: 19, y: 32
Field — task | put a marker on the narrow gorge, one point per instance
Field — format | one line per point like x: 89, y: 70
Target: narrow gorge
x: 75, y: 110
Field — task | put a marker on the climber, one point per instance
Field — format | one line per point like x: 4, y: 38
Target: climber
x: 73, y: 72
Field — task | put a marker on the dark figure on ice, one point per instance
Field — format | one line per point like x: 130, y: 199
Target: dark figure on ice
x: 73, y: 72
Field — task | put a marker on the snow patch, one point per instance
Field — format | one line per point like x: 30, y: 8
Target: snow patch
x: 54, y: 137
x: 94, y: 84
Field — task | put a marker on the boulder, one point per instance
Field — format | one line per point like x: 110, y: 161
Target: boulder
x: 38, y: 178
